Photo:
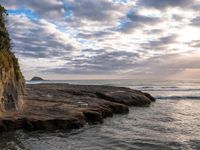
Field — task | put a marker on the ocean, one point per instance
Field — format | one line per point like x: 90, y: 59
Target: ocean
x: 171, y: 123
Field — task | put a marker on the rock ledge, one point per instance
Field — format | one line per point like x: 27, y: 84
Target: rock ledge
x: 65, y: 106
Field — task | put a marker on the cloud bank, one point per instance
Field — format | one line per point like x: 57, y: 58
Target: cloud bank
x: 63, y: 39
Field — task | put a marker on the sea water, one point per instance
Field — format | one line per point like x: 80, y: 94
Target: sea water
x: 171, y: 123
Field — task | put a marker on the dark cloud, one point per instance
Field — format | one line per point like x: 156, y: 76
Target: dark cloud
x: 101, y: 63
x: 177, y: 17
x: 196, y: 6
x: 99, y: 34
x: 92, y: 10
x: 195, y: 22
x: 135, y: 17
x: 154, y: 31
x: 161, y: 43
x: 135, y: 20
x: 160, y: 4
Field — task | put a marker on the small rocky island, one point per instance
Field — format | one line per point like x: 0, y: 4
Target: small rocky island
x: 37, y: 79
x: 55, y: 106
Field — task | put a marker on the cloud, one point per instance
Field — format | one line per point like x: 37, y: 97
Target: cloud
x: 196, y: 6
x: 175, y: 61
x: 102, y: 62
x: 135, y: 17
x: 161, y: 4
x: 135, y: 20
x: 195, y: 43
x: 133, y: 38
x: 160, y: 44
x: 37, y: 39
x: 99, y: 34
x: 195, y: 22
x: 92, y: 10
x: 167, y: 66
x: 42, y: 8
x: 154, y: 31
x: 178, y: 17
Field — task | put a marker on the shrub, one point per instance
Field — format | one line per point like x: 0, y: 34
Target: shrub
x: 4, y: 36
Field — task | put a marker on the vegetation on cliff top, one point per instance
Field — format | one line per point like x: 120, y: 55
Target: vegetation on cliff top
x: 4, y: 36
x: 7, y: 58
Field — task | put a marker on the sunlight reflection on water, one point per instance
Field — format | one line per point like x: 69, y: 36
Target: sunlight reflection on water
x: 169, y: 124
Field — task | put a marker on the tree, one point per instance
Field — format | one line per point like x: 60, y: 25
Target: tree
x: 4, y: 36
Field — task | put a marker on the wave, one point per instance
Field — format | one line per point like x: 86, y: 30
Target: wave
x: 171, y: 87
x: 147, y: 87
x: 175, y: 89
x: 178, y: 97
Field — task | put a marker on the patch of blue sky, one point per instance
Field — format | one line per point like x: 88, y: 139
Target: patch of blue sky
x: 123, y: 23
x: 29, y: 13
x: 71, y: 33
x: 68, y: 8
x: 68, y: 14
x: 87, y: 42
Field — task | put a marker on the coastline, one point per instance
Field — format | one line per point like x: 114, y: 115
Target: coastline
x: 66, y: 106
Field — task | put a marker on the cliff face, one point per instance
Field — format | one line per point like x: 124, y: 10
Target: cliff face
x: 11, y: 79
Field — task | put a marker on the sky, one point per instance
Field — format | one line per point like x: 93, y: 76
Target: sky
x: 106, y: 39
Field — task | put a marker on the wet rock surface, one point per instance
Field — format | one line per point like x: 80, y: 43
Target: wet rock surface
x: 65, y: 106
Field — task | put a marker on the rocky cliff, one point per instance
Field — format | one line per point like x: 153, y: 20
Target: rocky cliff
x: 11, y: 79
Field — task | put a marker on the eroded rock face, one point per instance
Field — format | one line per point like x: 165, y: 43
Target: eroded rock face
x: 11, y: 83
x: 11, y: 79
